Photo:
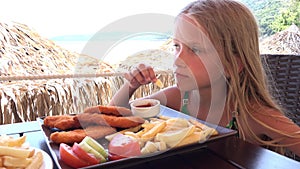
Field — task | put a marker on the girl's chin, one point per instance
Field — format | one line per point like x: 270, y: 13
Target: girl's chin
x: 185, y: 86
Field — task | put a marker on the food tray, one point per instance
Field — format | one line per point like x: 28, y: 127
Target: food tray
x: 165, y: 111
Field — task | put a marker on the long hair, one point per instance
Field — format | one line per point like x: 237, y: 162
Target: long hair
x: 233, y: 31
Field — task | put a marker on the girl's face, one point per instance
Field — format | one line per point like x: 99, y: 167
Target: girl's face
x: 197, y: 64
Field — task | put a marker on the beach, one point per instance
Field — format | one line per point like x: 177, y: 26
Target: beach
x: 125, y: 54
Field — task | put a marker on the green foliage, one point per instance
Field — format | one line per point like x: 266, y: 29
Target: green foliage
x: 274, y: 15
x: 288, y: 15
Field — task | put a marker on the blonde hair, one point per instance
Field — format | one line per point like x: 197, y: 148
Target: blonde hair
x: 233, y: 31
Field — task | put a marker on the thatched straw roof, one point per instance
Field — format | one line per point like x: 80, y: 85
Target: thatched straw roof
x: 284, y: 42
x: 24, y: 52
x: 51, y: 88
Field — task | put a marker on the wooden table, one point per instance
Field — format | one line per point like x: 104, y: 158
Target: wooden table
x: 227, y: 153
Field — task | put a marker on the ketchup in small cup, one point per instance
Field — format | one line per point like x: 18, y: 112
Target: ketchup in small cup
x: 145, y: 108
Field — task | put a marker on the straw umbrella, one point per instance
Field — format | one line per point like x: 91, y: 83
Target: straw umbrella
x: 284, y: 42
x: 39, y: 78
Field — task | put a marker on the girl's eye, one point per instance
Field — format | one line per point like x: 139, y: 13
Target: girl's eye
x: 196, y: 50
x: 176, y: 46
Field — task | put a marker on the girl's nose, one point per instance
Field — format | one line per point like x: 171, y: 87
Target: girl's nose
x: 179, y: 57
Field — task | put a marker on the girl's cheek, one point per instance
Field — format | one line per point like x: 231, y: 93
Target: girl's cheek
x: 179, y: 59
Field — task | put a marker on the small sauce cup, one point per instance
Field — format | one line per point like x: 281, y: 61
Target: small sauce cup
x: 145, y: 108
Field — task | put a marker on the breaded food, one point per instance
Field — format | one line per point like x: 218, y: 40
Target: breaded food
x: 78, y: 135
x: 50, y: 121
x: 97, y: 132
x: 72, y: 123
x: 109, y: 110
x: 123, y: 122
x: 108, y: 120
x: 68, y: 137
x: 62, y: 122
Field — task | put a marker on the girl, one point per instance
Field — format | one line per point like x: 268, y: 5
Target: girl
x: 219, y: 75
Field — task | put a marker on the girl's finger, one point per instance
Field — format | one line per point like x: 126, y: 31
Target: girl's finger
x: 144, y: 70
x: 147, y: 72
x: 138, y: 76
x: 152, y: 74
x: 128, y: 76
x: 132, y: 81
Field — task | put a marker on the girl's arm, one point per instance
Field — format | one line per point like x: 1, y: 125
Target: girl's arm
x: 289, y: 131
x: 123, y: 95
x: 279, y: 127
x: 170, y: 96
x: 139, y: 76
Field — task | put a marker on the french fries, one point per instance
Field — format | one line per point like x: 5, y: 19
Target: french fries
x: 36, y: 162
x: 10, y: 161
x: 174, y: 137
x: 212, y: 131
x: 159, y: 83
x: 16, y: 154
x: 193, y: 138
x: 154, y: 130
x: 158, y: 134
x: 6, y: 140
x: 132, y: 129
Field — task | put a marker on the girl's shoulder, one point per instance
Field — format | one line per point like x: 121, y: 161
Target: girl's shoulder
x: 265, y: 111
x: 174, y: 97
x: 270, y: 118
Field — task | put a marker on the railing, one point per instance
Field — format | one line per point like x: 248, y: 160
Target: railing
x: 24, y: 98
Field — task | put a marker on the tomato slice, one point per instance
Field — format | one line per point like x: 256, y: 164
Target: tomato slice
x: 113, y: 157
x: 124, y: 146
x: 68, y: 157
x: 87, y: 157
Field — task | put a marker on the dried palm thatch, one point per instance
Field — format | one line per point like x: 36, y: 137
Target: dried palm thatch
x: 284, y: 42
x: 24, y: 52
x: 37, y: 77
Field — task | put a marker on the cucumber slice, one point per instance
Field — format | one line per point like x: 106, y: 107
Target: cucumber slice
x: 86, y: 147
x: 95, y: 145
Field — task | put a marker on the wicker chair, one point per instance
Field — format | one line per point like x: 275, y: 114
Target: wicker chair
x: 284, y: 80
x: 283, y: 73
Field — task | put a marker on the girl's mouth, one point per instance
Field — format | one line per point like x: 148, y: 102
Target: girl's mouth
x: 180, y: 75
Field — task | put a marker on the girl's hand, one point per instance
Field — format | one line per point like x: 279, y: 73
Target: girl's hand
x: 141, y: 75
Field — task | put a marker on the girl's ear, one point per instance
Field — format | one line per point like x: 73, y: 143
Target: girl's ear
x: 240, y: 67
x: 240, y: 64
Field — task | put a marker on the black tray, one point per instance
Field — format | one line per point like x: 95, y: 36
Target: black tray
x: 127, y: 162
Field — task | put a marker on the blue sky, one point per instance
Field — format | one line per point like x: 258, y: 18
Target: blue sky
x: 52, y: 18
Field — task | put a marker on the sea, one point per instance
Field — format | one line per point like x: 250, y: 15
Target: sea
x: 111, y: 48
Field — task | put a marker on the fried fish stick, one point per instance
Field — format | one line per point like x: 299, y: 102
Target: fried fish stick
x: 101, y: 119
x: 123, y: 122
x: 87, y: 119
x: 78, y: 135
x: 109, y: 110
x: 66, y: 124
x: 68, y: 137
x: 97, y: 132
x: 62, y: 122
x: 50, y: 121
